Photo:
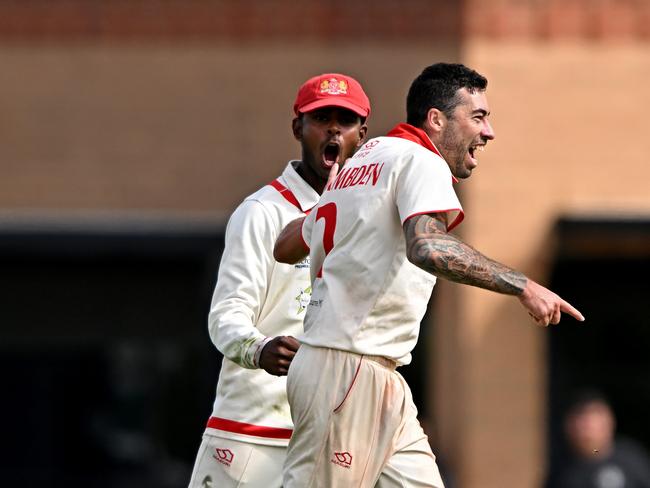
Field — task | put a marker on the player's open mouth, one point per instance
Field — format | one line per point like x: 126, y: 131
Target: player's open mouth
x: 472, y: 152
x: 331, y: 154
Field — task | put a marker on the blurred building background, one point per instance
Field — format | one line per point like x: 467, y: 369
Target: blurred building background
x: 129, y: 130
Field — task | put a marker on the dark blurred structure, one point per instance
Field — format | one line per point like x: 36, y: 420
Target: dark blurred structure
x: 105, y: 354
x: 603, y: 263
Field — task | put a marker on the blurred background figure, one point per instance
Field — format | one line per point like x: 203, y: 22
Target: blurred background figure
x: 600, y: 459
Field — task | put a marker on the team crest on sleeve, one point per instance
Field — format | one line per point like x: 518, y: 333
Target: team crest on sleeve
x: 303, y: 298
x: 333, y: 86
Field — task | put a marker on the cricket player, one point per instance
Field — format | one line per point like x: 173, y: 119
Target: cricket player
x: 258, y: 304
x: 378, y: 239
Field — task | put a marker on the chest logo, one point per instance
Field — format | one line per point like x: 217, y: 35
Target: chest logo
x: 303, y: 298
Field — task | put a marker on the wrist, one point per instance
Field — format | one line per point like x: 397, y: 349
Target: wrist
x: 526, y: 292
x: 511, y: 282
x: 258, y: 351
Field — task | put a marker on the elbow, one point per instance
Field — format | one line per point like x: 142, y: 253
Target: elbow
x: 416, y: 259
x: 289, y: 247
x: 289, y: 251
x: 279, y: 254
x: 424, y: 261
x: 213, y: 329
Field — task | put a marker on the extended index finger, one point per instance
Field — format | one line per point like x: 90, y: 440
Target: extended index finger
x: 566, y: 307
x: 332, y: 176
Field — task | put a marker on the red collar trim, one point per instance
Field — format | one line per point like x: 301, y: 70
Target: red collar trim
x: 413, y: 134
x: 288, y: 195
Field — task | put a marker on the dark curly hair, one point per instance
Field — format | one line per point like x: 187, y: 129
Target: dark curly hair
x: 437, y: 87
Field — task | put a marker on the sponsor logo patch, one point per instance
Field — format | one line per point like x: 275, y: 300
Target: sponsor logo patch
x: 303, y: 299
x: 224, y: 456
x: 343, y: 459
x: 302, y: 264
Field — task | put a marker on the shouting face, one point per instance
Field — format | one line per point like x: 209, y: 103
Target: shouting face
x: 465, y: 132
x: 328, y: 135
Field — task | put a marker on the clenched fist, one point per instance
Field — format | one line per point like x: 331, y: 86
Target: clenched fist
x: 277, y: 354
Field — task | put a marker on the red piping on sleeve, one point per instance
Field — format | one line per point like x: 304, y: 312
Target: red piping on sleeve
x: 459, y: 218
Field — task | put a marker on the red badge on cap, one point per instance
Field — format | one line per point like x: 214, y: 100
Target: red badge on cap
x: 332, y: 90
x: 334, y: 87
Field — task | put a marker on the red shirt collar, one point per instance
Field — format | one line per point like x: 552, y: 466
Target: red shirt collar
x: 413, y: 134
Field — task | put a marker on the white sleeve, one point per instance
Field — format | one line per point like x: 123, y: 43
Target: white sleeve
x: 242, y: 283
x: 423, y: 186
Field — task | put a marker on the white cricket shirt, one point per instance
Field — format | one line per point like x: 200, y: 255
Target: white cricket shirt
x: 256, y: 297
x: 369, y: 298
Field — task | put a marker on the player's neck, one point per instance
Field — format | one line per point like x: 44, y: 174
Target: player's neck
x: 312, y: 179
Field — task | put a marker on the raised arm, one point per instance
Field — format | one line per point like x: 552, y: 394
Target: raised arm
x: 430, y: 247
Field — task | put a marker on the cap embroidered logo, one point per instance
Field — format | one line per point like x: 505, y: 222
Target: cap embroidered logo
x: 334, y: 87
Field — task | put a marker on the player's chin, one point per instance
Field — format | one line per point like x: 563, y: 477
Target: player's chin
x: 462, y: 172
x: 465, y: 169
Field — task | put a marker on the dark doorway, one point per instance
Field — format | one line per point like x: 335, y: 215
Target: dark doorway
x: 602, y: 267
x: 108, y: 369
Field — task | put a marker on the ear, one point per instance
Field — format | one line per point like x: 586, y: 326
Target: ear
x: 436, y: 121
x: 363, y: 131
x: 296, y: 127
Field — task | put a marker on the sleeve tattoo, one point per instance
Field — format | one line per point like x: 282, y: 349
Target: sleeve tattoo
x: 430, y: 247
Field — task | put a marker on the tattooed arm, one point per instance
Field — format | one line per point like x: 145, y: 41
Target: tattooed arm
x: 430, y: 247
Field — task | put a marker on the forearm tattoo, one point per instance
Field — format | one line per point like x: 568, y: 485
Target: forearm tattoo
x: 430, y: 247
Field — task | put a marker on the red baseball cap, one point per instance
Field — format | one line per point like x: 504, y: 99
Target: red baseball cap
x: 332, y: 90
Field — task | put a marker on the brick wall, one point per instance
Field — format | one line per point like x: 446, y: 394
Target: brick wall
x: 169, y: 128
x: 557, y: 19
x: 229, y: 20
x: 385, y: 20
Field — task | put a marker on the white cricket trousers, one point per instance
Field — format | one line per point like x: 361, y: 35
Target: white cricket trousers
x: 355, y: 425
x: 226, y: 463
